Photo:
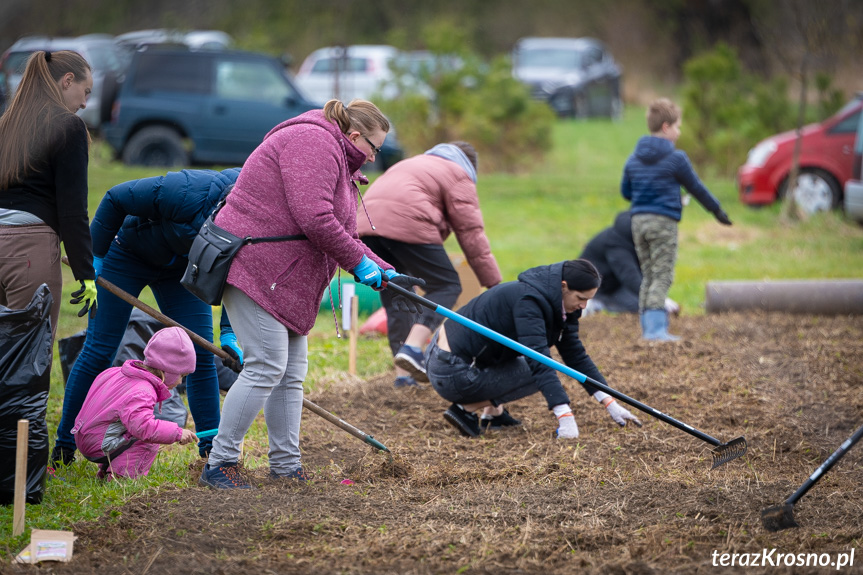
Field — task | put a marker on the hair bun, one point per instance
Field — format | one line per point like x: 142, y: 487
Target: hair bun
x: 47, y: 56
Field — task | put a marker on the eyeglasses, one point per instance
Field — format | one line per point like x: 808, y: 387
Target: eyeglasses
x: 375, y: 149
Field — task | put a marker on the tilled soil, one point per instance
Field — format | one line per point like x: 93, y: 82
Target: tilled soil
x: 616, y: 501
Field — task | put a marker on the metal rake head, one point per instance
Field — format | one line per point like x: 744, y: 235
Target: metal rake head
x: 724, y: 453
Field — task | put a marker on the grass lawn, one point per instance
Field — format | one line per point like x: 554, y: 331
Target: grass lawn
x: 534, y: 218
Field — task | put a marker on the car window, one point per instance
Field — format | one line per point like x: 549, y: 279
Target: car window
x: 256, y: 81
x: 549, y: 58
x: 103, y: 57
x: 172, y: 72
x: 329, y: 65
x: 848, y: 125
x: 592, y: 56
x: 16, y: 62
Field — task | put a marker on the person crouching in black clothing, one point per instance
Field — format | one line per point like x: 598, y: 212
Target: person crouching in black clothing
x: 539, y: 310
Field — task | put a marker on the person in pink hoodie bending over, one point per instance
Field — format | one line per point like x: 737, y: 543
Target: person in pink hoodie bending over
x: 415, y: 205
x: 300, y: 181
x: 116, y: 427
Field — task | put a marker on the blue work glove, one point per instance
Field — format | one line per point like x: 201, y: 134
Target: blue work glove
x: 400, y: 302
x: 97, y: 265
x: 369, y: 273
x: 229, y: 345
x: 86, y: 294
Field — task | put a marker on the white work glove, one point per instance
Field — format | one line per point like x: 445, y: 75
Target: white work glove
x: 618, y: 413
x: 566, y: 426
x: 672, y: 307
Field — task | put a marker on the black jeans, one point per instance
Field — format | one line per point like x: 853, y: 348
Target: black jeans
x: 460, y: 381
x: 427, y: 261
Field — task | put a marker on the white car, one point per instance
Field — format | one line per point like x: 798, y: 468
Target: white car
x: 347, y: 72
x: 853, y: 199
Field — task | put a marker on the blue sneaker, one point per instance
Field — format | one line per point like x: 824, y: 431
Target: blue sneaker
x: 298, y: 474
x: 223, y: 477
x: 405, y: 381
x: 412, y: 360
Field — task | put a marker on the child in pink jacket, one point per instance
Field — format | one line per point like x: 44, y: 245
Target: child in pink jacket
x: 116, y: 427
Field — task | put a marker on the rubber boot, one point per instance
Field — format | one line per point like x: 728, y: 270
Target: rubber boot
x: 668, y: 336
x: 654, y: 324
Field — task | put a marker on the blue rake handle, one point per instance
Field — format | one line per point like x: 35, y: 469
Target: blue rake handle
x: 722, y: 452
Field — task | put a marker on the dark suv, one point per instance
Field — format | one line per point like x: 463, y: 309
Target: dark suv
x: 181, y: 107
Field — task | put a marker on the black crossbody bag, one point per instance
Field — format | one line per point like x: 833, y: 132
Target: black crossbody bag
x: 210, y: 258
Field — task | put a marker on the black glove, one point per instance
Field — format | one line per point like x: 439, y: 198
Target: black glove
x: 400, y: 302
x: 722, y: 217
x: 234, y: 363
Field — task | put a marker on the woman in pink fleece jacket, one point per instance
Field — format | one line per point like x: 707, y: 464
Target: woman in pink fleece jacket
x: 415, y: 205
x: 301, y: 180
x: 116, y: 427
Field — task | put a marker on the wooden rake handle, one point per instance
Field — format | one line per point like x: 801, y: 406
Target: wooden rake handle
x: 154, y: 313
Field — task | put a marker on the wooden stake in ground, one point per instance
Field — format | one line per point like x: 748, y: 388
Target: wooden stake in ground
x: 20, y: 476
x: 354, y: 334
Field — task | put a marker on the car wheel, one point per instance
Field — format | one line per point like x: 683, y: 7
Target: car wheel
x: 156, y: 146
x: 816, y: 191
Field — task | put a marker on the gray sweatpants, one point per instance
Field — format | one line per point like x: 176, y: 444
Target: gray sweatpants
x: 655, y: 240
x: 275, y: 363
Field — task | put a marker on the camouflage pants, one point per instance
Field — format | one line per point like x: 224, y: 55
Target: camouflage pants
x: 655, y: 240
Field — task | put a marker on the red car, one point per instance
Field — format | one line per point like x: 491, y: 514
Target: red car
x: 826, y: 163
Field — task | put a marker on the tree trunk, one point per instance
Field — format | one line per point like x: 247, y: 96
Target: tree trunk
x: 790, y: 210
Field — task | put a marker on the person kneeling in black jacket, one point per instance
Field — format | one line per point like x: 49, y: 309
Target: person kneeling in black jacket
x: 539, y: 310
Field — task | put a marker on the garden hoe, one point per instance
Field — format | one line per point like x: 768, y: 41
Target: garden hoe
x: 781, y: 517
x: 722, y: 452
x: 314, y: 408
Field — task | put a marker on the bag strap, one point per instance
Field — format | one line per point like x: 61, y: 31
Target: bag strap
x: 250, y: 240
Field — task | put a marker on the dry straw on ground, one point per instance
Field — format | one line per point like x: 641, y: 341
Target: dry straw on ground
x: 617, y: 501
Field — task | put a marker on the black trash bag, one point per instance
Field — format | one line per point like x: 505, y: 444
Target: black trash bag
x: 68, y: 349
x: 25, y: 378
x: 227, y: 376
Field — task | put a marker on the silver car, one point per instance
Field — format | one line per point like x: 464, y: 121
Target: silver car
x: 578, y: 77
x: 347, y: 72
x: 99, y: 50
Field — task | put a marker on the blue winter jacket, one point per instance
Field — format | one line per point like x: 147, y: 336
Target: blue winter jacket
x: 653, y: 175
x: 157, y: 218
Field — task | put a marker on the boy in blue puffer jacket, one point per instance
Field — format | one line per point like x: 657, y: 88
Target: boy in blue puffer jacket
x: 142, y: 233
x: 652, y: 179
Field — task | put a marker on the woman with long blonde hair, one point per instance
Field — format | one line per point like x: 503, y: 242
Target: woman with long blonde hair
x: 44, y: 152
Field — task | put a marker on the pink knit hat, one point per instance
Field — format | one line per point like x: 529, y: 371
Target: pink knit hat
x: 170, y: 350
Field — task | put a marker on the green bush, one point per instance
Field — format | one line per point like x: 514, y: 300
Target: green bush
x: 472, y: 101
x: 726, y: 110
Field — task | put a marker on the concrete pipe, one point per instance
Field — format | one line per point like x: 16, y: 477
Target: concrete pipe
x: 818, y: 297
